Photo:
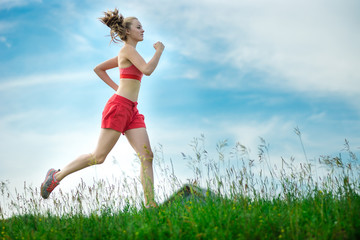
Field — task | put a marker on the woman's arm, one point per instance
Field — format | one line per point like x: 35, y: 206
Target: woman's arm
x: 100, y: 70
x: 136, y: 59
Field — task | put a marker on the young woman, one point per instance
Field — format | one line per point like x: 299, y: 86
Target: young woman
x: 120, y: 114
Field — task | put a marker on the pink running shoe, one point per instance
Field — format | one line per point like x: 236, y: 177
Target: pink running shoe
x: 49, y: 184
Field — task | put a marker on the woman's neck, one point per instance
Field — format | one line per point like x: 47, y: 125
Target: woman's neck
x: 131, y: 42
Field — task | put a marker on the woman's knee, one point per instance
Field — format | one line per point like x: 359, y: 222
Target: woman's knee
x: 97, y: 158
x: 147, y: 156
x: 150, y: 155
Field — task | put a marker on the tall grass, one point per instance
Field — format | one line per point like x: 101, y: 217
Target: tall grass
x: 254, y: 198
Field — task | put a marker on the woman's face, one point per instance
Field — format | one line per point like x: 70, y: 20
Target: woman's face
x: 136, y: 31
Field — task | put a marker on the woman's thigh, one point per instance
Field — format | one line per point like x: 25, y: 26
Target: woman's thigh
x: 139, y: 140
x: 107, y: 140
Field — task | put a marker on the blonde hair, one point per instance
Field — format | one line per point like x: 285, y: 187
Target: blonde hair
x: 117, y: 24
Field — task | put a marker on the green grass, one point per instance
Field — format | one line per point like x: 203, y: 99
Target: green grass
x: 294, y: 201
x: 318, y: 217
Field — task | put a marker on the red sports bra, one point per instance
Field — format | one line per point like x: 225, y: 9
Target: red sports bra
x: 131, y: 72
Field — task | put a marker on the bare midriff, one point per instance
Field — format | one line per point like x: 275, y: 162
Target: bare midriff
x: 129, y: 88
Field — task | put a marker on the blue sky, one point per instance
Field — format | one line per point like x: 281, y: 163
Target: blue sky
x: 238, y: 70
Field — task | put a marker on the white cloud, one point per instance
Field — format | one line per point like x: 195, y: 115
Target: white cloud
x: 304, y: 46
x: 8, y: 4
x: 6, y: 25
x: 82, y: 43
x: 4, y: 40
x: 39, y: 79
x: 310, y: 46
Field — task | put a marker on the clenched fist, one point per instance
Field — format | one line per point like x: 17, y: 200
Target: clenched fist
x: 159, y: 46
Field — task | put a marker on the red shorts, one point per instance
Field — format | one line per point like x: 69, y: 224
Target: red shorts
x: 121, y: 114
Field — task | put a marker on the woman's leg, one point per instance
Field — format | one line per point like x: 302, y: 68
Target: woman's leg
x: 139, y: 140
x: 107, y: 140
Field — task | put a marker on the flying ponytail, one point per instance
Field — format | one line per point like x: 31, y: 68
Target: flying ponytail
x: 117, y: 24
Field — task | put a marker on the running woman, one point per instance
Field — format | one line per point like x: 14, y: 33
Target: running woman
x: 120, y: 115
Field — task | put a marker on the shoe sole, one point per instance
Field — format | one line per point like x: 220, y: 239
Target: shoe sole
x: 44, y: 191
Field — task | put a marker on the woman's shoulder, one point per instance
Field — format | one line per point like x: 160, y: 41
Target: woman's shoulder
x: 124, y: 51
x: 128, y: 49
x: 124, y: 54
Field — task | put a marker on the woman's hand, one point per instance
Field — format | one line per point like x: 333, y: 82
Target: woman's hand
x: 159, y: 46
x: 100, y: 70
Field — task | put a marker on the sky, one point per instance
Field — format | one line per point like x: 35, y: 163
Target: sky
x: 231, y: 70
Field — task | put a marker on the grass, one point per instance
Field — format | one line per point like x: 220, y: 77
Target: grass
x: 319, y: 217
x: 292, y: 201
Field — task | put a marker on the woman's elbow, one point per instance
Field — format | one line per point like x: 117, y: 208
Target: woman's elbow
x: 96, y: 69
x: 147, y: 72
